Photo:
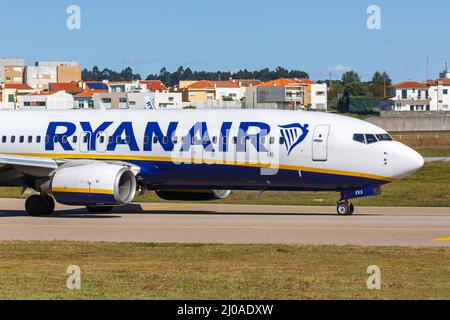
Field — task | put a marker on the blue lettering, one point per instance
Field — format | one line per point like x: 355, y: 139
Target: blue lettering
x: 53, y: 137
x: 86, y: 126
x: 154, y: 129
x: 205, y: 141
x: 125, y: 128
x: 255, y: 139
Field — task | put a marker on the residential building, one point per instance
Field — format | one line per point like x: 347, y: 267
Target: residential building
x: 281, y: 93
x: 154, y: 86
x: 85, y: 99
x: 198, y: 91
x: 227, y: 90
x: 159, y: 100
x: 244, y: 84
x: 319, y: 96
x: 439, y: 94
x: 13, y: 93
x: 43, y: 73
x: 50, y: 100
x: 12, y: 71
x: 408, y: 96
x: 110, y: 100
x: 126, y: 86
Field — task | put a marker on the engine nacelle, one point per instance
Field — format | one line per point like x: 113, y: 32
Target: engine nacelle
x: 93, y: 184
x: 193, y: 195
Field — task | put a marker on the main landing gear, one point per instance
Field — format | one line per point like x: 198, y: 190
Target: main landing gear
x: 40, y: 205
x: 344, y: 207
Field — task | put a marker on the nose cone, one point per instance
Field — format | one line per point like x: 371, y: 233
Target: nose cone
x: 407, y: 161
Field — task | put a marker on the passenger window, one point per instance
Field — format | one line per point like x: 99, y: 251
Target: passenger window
x: 234, y: 140
x: 224, y: 140
x: 55, y: 139
x: 47, y: 139
x: 64, y: 139
x: 359, y: 137
x: 13, y: 139
x: 183, y: 139
x: 30, y: 139
x: 175, y: 140
x: 214, y: 139
x: 281, y: 140
x: 118, y: 139
x: 4, y: 139
x: 262, y: 140
x: 271, y: 140
x: 371, y: 138
x: 21, y: 139
x: 146, y: 139
x: 155, y: 139
x: 110, y: 140
x: 127, y: 140
x: 101, y: 139
x: 74, y: 139
x: 85, y: 138
x: 38, y: 139
x: 165, y: 140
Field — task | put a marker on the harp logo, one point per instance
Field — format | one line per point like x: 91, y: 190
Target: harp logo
x: 293, y: 134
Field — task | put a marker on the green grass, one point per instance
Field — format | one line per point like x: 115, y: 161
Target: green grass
x: 426, y: 188
x: 37, y: 270
x: 434, y: 152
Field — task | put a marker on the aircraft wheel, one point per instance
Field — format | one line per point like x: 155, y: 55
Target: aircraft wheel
x: 37, y: 205
x: 99, y: 209
x: 344, y: 208
x: 51, y: 201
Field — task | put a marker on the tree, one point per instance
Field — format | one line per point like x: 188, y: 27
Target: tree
x: 350, y: 77
x: 379, y: 84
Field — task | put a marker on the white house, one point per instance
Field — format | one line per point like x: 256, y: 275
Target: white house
x: 319, y: 96
x: 439, y: 93
x: 160, y: 100
x: 49, y: 100
x: 407, y: 96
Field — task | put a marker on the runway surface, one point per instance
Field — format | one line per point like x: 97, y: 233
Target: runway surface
x: 219, y: 223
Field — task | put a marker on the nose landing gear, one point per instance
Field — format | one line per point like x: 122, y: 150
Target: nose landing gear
x: 344, y: 208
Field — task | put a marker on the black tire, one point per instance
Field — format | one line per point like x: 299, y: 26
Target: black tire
x: 36, y: 205
x: 99, y: 209
x: 343, y: 208
x: 352, y: 208
x: 51, y: 201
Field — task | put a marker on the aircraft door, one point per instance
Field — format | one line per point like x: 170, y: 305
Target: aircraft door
x: 320, y: 143
x: 101, y: 143
x: 85, y: 138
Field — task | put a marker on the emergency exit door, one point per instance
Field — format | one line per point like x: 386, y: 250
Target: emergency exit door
x: 320, y: 143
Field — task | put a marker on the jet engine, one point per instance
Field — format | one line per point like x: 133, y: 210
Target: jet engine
x: 193, y: 195
x: 93, y: 184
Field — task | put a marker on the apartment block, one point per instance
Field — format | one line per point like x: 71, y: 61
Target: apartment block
x: 43, y: 73
x: 12, y: 71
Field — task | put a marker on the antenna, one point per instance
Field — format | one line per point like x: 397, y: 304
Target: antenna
x: 428, y: 61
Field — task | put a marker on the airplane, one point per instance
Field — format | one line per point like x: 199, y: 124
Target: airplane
x: 101, y: 158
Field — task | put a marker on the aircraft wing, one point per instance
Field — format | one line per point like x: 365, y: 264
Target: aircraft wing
x: 14, y: 168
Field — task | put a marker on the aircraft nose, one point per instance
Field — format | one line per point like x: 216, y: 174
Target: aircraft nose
x: 407, y: 161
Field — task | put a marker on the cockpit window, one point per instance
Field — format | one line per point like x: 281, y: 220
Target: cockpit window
x: 371, y: 138
x: 359, y: 137
x: 384, y: 137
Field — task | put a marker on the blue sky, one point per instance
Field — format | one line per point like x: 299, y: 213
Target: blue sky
x: 315, y: 36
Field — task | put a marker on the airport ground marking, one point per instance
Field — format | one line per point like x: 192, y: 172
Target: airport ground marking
x: 442, y: 239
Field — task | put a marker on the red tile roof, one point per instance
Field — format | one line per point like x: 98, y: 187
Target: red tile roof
x: 202, y: 84
x: 247, y: 82
x: 282, y: 82
x: 88, y: 93
x: 154, y: 84
x: 68, y: 87
x: 443, y: 81
x: 410, y: 84
x: 207, y: 84
x: 42, y: 93
x: 18, y: 86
